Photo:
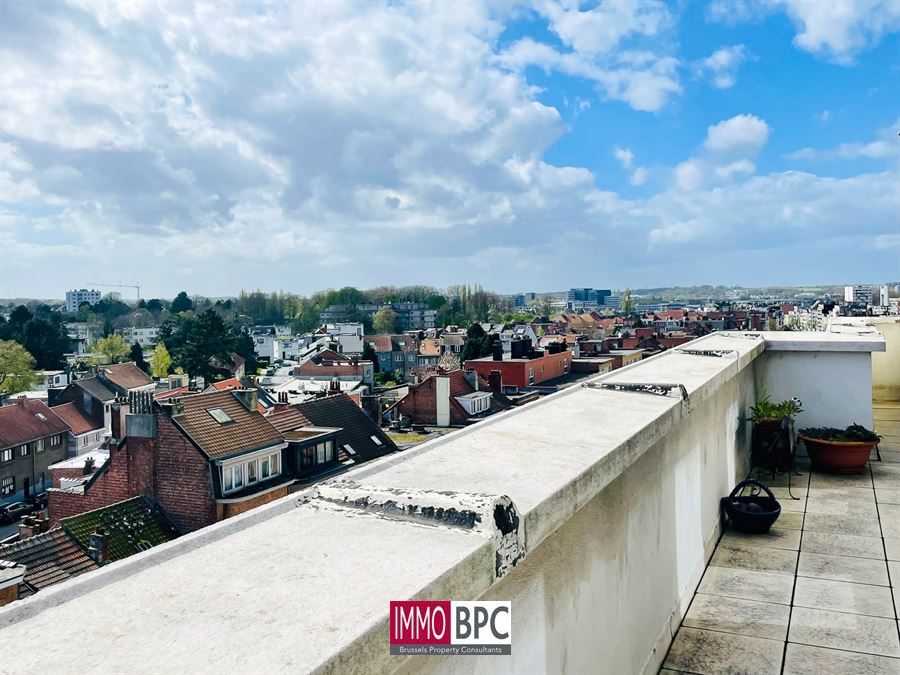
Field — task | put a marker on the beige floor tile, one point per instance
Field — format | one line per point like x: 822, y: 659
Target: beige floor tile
x: 837, y: 630
x: 864, y: 527
x: 890, y: 520
x: 840, y: 596
x: 894, y: 573
x: 842, y: 568
x: 844, y: 494
x: 710, y: 652
x: 806, y: 660
x: 832, y: 506
x: 887, y: 495
x: 892, y: 548
x: 842, y: 544
x: 831, y: 480
x: 747, y: 584
x: 792, y: 505
x: 790, y: 521
x: 744, y: 617
x: 777, y: 537
x: 796, y: 490
x: 747, y: 557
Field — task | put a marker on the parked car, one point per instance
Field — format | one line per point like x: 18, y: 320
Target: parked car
x: 12, y: 512
x: 39, y: 500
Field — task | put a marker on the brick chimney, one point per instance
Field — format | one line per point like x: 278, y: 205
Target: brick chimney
x: 29, y: 526
x: 99, y: 547
x: 495, y: 380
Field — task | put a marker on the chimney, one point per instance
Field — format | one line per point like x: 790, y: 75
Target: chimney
x: 497, y: 351
x: 28, y: 527
x: 247, y: 397
x: 99, y: 547
x: 495, y: 380
x: 140, y: 422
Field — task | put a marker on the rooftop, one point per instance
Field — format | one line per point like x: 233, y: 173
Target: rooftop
x: 78, y: 422
x: 620, y: 521
x: 126, y: 375
x: 27, y: 420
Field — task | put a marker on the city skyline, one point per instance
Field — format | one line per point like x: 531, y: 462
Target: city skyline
x: 303, y: 146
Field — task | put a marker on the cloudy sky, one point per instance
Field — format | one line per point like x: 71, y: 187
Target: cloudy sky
x: 525, y: 146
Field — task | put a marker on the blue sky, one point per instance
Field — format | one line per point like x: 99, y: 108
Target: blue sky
x: 523, y: 146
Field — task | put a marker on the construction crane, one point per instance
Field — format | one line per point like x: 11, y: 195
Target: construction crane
x: 137, y: 287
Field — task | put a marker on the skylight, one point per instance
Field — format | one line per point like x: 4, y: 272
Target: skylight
x: 40, y: 416
x: 376, y: 440
x: 219, y: 415
x: 350, y: 451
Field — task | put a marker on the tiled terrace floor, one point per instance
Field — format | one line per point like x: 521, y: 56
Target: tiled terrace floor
x: 818, y: 594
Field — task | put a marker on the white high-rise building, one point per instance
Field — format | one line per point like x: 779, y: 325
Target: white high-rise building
x: 75, y: 298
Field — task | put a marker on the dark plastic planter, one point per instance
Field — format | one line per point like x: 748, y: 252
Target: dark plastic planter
x: 752, y: 513
x: 838, y: 456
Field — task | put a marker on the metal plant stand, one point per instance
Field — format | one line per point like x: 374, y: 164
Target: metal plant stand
x: 773, y: 450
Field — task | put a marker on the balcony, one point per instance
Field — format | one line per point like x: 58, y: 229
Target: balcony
x: 611, y: 503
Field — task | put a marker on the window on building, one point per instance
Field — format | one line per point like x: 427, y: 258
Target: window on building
x: 220, y: 415
x: 39, y: 445
x: 308, y: 456
x: 349, y: 449
x: 376, y: 440
x: 84, y: 441
x: 7, y: 486
x: 6, y: 455
x: 23, y: 450
x: 274, y: 461
x: 238, y: 476
x: 228, y: 478
x: 531, y: 376
x: 264, y: 470
x: 251, y: 472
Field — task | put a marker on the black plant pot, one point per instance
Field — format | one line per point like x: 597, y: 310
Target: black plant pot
x: 753, y: 513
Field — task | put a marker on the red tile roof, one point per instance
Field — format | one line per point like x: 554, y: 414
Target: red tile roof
x: 27, y: 420
x: 179, y: 391
x: 78, y: 422
x: 381, y: 343
x: 246, y: 431
x: 232, y: 383
x: 49, y: 558
x: 288, y: 419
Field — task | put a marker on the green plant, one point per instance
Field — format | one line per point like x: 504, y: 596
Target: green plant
x: 765, y: 409
x: 855, y: 433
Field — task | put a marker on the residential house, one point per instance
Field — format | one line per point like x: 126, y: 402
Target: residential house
x: 429, y: 353
x: 145, y: 337
x: 202, y: 458
x: 32, y: 437
x: 529, y: 367
x: 94, y: 395
x: 449, y: 399
x: 329, y: 365
x: 85, y: 434
x: 349, y: 335
x: 511, y: 334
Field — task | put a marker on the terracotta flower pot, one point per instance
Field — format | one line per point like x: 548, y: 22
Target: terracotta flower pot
x: 838, y: 457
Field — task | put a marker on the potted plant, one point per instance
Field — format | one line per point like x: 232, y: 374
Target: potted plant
x: 772, y: 430
x: 839, y: 450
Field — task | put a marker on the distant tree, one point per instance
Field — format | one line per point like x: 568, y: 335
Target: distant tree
x: 478, y: 343
x: 245, y: 347
x: 16, y: 368
x: 385, y: 320
x: 181, y: 303
x: 137, y: 355
x: 435, y: 301
x: 207, y: 346
x: 369, y: 354
x: 626, y: 305
x: 113, y: 347
x: 47, y: 340
x: 160, y: 360
x: 155, y: 305
x: 545, y: 306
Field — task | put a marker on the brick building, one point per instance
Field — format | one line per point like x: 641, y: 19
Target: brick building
x: 528, y: 367
x: 32, y: 437
x: 456, y: 398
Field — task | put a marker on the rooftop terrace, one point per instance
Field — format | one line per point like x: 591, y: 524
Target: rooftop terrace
x: 617, y: 494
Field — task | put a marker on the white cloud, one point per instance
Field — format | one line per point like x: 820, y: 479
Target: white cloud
x: 723, y: 65
x: 837, y: 30
x: 824, y: 117
x: 624, y: 156
x: 884, y: 147
x: 689, y: 175
x: 602, y: 27
x: 746, y: 133
x: 638, y: 176
x: 741, y: 166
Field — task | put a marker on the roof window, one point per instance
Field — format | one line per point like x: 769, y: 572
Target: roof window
x: 220, y: 415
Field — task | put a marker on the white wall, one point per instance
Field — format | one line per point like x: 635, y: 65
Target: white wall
x: 835, y: 387
x: 605, y: 592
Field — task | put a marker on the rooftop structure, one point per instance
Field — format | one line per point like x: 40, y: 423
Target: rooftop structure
x: 599, y: 540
